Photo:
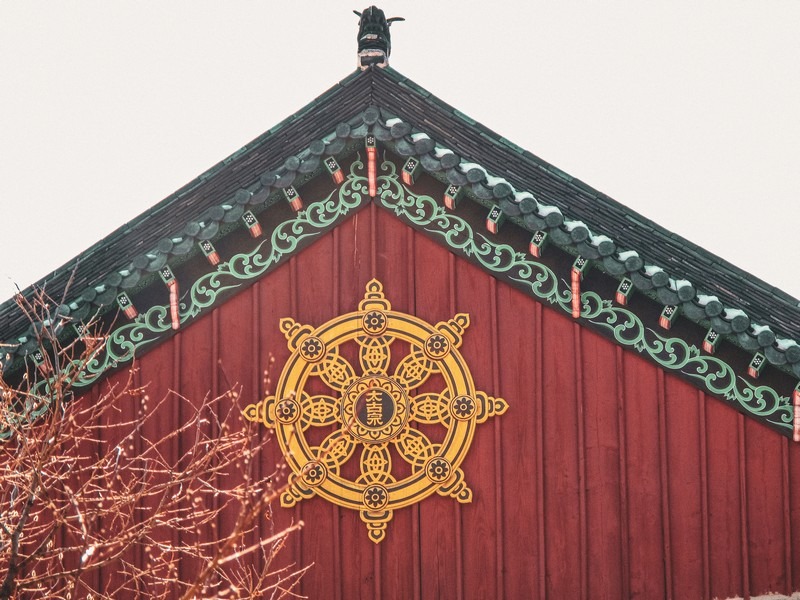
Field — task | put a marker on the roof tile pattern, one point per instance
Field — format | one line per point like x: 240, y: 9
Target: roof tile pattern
x: 457, y: 150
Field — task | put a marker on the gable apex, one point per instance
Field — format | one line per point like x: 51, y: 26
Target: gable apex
x: 458, y: 151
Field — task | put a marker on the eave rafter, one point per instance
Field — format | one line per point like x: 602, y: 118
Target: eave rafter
x: 548, y: 222
x: 246, y: 208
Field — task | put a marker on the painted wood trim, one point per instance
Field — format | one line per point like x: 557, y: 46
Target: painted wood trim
x: 673, y: 354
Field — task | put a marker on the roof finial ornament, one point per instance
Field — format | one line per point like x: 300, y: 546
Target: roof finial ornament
x: 374, y: 39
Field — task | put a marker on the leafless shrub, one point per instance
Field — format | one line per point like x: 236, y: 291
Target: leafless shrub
x: 90, y: 506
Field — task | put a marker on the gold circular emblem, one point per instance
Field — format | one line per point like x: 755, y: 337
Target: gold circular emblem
x: 374, y: 322
x: 373, y: 364
x: 375, y: 497
x: 314, y: 473
x: 463, y: 408
x: 436, y: 346
x: 438, y: 469
x: 287, y: 411
x: 312, y: 349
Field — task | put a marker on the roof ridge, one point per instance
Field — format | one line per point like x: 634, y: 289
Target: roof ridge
x: 497, y: 173
x: 628, y: 219
x: 191, y: 194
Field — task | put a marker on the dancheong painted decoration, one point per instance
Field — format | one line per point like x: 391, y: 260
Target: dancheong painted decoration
x: 391, y: 401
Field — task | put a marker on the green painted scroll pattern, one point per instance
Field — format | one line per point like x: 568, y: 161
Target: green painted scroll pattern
x: 626, y: 328
x: 153, y: 324
x: 424, y: 212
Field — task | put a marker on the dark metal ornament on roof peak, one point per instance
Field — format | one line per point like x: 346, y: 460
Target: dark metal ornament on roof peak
x: 374, y: 39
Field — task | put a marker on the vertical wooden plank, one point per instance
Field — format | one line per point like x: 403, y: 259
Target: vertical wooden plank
x: 373, y: 255
x: 439, y: 571
x: 765, y: 509
x: 794, y: 511
x: 275, y: 302
x: 415, y: 520
x: 479, y: 534
x: 498, y: 446
x: 540, y: 445
x: 787, y: 519
x: 297, y: 517
x: 662, y: 467
x: 684, y: 472
x: 235, y: 367
x: 157, y: 412
x: 521, y: 427
x: 93, y: 449
x: 354, y: 253
x: 179, y: 413
x: 646, y: 539
x: 625, y: 561
x: 561, y: 485
x: 743, y: 505
x: 581, y: 419
x: 125, y: 411
x: 701, y: 413
x: 257, y: 431
x: 314, y: 293
x: 392, y: 245
x: 599, y: 395
x: 336, y: 510
x: 195, y: 368
x: 459, y: 539
x: 724, y: 501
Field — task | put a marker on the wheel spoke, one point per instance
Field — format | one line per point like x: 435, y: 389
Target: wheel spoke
x: 414, y: 369
x: 431, y: 408
x: 376, y: 465
x: 335, y: 370
x: 415, y: 448
x: 319, y: 410
x: 335, y: 450
x: 374, y: 354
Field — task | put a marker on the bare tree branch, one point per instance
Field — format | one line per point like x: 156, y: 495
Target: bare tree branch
x: 92, y: 503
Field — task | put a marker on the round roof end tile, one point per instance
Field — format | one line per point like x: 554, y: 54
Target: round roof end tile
x: 660, y: 279
x: 686, y: 292
x: 606, y: 248
x: 554, y: 219
x: 579, y: 234
x: 474, y: 175
x: 714, y: 308
x: 371, y: 115
x: 633, y: 263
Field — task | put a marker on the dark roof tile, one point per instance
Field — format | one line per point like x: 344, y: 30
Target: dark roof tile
x: 383, y: 92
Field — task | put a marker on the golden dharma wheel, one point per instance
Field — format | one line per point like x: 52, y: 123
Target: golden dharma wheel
x: 372, y: 410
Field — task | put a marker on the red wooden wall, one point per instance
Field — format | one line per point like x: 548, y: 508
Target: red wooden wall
x: 606, y: 478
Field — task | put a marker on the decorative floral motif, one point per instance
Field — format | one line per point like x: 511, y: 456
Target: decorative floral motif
x: 376, y: 497
x: 312, y: 349
x: 438, y: 470
x: 437, y: 346
x: 314, y: 473
x: 374, y: 322
x: 463, y: 408
x: 287, y: 411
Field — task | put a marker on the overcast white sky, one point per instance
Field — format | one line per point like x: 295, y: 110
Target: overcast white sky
x: 688, y: 112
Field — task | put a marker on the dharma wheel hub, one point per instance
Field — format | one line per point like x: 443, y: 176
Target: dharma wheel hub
x: 374, y: 403
x: 374, y: 409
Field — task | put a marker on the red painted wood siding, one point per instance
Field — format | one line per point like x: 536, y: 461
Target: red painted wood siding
x: 606, y: 478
